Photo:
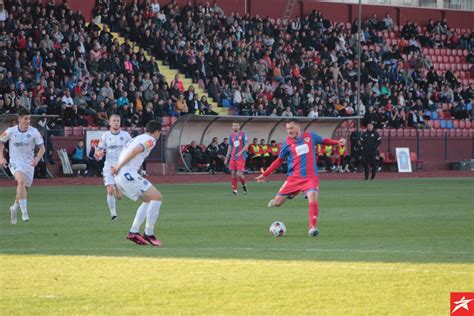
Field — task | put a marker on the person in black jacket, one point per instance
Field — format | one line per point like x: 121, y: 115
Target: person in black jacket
x: 370, y: 141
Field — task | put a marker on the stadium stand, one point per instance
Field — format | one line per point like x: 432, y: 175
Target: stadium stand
x: 307, y: 67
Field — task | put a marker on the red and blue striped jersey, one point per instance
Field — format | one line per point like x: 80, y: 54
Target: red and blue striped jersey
x: 300, y: 154
x: 237, y: 142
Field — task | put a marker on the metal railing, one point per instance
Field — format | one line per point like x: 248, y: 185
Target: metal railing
x: 465, y: 5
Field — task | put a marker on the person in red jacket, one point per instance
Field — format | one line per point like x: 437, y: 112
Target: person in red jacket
x: 300, y: 154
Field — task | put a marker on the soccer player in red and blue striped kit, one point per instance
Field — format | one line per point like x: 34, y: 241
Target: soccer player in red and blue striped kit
x: 300, y: 153
x: 237, y: 156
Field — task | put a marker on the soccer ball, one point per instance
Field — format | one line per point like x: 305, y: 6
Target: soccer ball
x: 277, y: 229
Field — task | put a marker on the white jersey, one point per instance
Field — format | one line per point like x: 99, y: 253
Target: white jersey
x: 113, y: 144
x: 145, y: 141
x: 22, y: 144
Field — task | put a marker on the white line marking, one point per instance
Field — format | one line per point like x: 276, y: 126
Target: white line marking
x: 253, y: 249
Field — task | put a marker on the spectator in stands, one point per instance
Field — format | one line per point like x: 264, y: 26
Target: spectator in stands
x: 3, y: 12
x: 388, y: 22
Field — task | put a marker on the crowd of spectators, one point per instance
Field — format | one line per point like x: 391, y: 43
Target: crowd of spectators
x: 52, y: 63
x: 303, y: 67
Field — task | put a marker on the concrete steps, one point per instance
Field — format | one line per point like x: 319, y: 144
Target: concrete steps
x: 169, y: 74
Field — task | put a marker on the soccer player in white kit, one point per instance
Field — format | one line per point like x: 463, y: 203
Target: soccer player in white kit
x: 111, y: 144
x: 135, y: 187
x: 22, y: 142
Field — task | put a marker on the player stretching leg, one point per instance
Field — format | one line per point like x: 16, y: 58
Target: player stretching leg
x: 299, y: 151
x: 236, y: 156
x: 135, y: 187
x: 22, y: 139
x: 111, y: 144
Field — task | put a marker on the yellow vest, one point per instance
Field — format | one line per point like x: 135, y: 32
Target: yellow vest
x: 265, y: 150
x: 342, y: 150
x: 256, y: 150
x: 328, y: 150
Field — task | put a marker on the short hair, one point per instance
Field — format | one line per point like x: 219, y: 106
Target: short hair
x: 113, y: 115
x: 23, y: 112
x: 289, y: 121
x: 152, y: 126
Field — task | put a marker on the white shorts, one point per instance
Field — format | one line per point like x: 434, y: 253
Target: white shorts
x: 108, y: 176
x: 132, y: 184
x: 27, y: 170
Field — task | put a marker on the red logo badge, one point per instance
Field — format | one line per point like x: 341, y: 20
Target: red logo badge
x: 462, y: 304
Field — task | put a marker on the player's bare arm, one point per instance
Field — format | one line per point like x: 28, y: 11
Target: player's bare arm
x: 39, y: 155
x: 265, y: 173
x: 136, y: 151
x: 3, y: 161
x: 229, y: 150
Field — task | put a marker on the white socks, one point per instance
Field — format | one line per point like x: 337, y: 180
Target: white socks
x: 24, y: 210
x: 271, y: 203
x: 151, y: 216
x: 111, y: 203
x: 16, y: 205
x: 139, y: 217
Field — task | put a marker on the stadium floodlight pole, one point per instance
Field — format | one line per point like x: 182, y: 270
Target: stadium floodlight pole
x: 358, y: 64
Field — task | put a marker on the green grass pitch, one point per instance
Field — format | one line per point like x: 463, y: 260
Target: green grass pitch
x: 386, y: 247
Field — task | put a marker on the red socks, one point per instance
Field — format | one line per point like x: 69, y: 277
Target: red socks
x: 313, y: 214
x: 242, y: 180
x: 234, y: 184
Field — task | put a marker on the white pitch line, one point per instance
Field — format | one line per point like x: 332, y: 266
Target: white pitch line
x: 258, y: 249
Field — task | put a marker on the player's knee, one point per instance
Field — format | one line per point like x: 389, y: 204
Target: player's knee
x: 21, y: 182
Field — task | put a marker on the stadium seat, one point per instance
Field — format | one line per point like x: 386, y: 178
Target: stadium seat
x: 451, y: 59
x: 166, y: 121
x: 466, y: 67
x: 442, y: 124
x: 439, y: 133
x: 452, y: 133
x: 455, y: 123
x: 443, y: 52
x: 468, y: 124
x: 433, y: 132
x: 431, y: 52
x: 449, y: 124
x: 462, y: 124
x: 413, y: 132
x: 457, y: 59
x: 445, y: 59
x: 225, y: 103
x: 78, y: 131
x: 436, y: 124
x: 465, y: 132
x: 458, y: 132
x: 426, y: 132
x: 442, y: 67
x: 67, y: 131
x: 445, y: 106
x: 393, y: 132
x: 434, y: 115
x: 465, y: 53
x: 430, y: 123
x: 406, y: 132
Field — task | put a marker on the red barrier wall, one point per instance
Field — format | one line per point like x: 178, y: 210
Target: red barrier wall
x: 433, y: 149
